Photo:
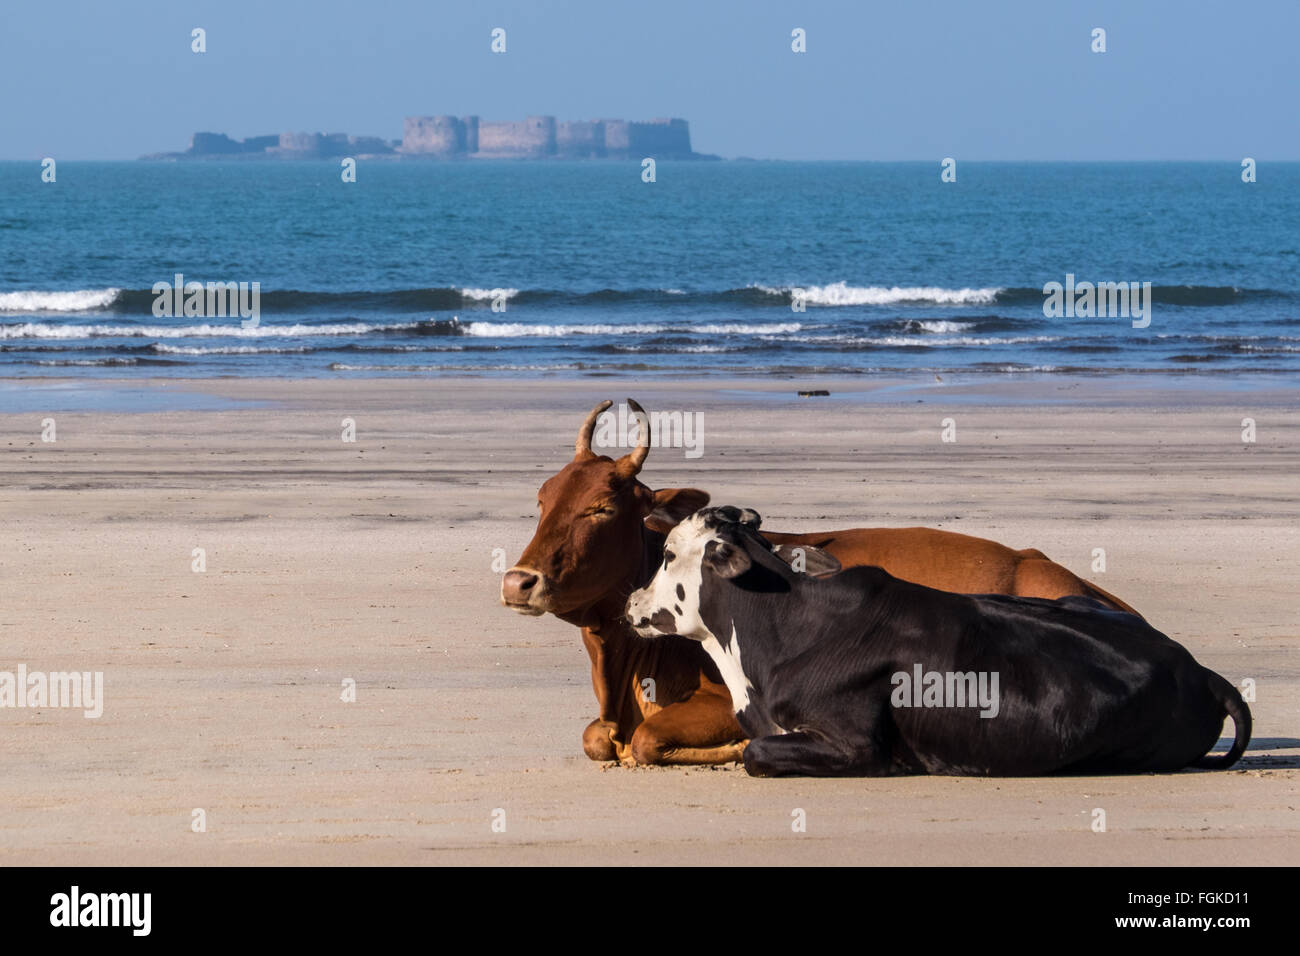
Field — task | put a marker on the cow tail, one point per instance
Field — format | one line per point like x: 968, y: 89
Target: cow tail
x: 1235, y: 708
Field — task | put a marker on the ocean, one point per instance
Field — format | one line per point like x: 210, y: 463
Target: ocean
x: 573, y: 269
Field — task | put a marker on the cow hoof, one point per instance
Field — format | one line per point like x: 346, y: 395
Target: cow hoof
x: 598, y: 740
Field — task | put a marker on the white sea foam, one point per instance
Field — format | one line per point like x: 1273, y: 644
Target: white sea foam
x: 227, y: 350
x: 1011, y: 368
x: 841, y: 293
x: 269, y: 330
x: 82, y: 300
x: 908, y: 341
x: 678, y: 349
x: 510, y: 330
x: 345, y: 367
x: 43, y: 330
x: 89, y: 363
x: 740, y: 328
x: 939, y: 326
x: 257, y: 350
x: 481, y: 294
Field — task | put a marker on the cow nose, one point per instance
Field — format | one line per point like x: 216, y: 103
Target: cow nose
x: 517, y: 586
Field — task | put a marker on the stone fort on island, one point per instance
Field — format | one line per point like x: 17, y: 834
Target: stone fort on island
x: 541, y: 136
x: 465, y: 137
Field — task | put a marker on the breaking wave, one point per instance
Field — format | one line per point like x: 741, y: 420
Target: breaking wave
x: 841, y: 293
x: 82, y: 300
x: 476, y: 298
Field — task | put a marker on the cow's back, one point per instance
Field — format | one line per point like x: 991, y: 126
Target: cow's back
x: 949, y: 561
x: 938, y: 559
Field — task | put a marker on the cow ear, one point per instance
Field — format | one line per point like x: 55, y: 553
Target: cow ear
x: 671, y: 505
x: 728, y: 560
x: 808, y: 560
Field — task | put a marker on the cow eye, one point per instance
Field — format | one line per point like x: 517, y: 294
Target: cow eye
x: 668, y: 557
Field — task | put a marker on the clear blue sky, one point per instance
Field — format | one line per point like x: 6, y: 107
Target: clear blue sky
x: 1182, y: 79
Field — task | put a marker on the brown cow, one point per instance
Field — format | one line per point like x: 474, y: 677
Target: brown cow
x: 600, y: 536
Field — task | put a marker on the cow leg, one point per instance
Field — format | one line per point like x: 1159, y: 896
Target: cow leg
x: 701, y: 730
x: 802, y: 754
x: 599, y: 740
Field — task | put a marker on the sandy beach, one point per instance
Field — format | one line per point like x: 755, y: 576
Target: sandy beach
x: 372, y: 561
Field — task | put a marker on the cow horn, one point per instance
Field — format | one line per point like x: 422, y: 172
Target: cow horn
x: 582, y: 447
x: 630, y: 464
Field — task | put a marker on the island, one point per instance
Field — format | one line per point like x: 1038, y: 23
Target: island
x: 464, y: 137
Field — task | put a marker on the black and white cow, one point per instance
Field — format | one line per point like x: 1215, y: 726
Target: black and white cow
x: 862, y: 674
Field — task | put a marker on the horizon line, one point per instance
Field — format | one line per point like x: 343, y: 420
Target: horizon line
x: 407, y: 160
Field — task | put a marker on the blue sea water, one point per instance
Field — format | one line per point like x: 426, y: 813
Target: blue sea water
x: 602, y: 273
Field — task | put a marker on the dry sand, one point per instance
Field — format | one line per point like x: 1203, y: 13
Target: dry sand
x: 373, y: 561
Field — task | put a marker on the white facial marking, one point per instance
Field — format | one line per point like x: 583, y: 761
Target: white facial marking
x: 685, y: 544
